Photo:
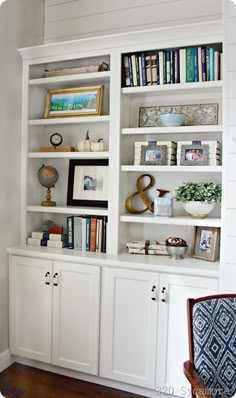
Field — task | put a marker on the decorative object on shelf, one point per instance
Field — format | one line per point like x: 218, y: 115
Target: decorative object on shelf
x: 171, y: 148
x: 48, y: 176
x: 153, y: 155
x: 141, y: 191
x: 88, y: 183
x: 77, y: 101
x: 163, y: 207
x: 172, y: 119
x: 147, y: 247
x: 205, y: 244
x: 176, y: 247
x: 98, y: 146
x: 56, y: 140
x: 85, y: 145
x: 194, y: 155
x: 198, y: 198
x: 76, y: 71
x: 188, y: 153
x: 195, y: 114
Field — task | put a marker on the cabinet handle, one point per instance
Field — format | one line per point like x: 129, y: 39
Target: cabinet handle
x: 163, y: 292
x: 153, y: 293
x: 55, y: 279
x: 48, y: 278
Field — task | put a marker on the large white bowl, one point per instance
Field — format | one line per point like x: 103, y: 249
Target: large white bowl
x: 172, y: 119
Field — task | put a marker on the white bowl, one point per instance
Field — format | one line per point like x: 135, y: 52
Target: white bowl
x: 172, y: 119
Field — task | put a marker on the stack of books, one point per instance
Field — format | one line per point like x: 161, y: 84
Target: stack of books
x: 170, y: 66
x: 87, y: 233
x: 147, y: 247
x: 53, y: 238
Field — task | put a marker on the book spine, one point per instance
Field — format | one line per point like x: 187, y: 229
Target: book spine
x: 126, y: 73
x: 104, y: 234
x: 182, y: 65
x: 216, y: 65
x: 167, y: 67
x: 189, y: 65
x: 130, y: 72
x: 55, y: 229
x: 164, y: 67
x: 176, y: 67
x: 93, y: 229
x: 137, y: 69
x: 144, y: 77
x: 70, y: 232
x: 56, y: 243
x: 37, y: 235
x: 84, y: 234
x: 172, y: 74
x: 87, y: 234
x: 58, y: 237
x: 212, y: 62
x: 77, y: 233
x: 148, y: 70
x: 100, y: 236
x: 203, y: 60
x: 154, y: 68
x: 158, y: 69
x: 221, y: 66
x: 140, y: 70
x: 207, y: 64
x: 195, y: 64
x: 34, y: 241
x: 161, y: 67
x: 133, y: 63
x: 199, y: 50
x: 97, y: 234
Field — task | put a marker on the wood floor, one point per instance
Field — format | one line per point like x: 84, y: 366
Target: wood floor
x: 20, y: 381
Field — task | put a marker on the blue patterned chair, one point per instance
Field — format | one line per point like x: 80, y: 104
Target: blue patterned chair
x: 211, y: 369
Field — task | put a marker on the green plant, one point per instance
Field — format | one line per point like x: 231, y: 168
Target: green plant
x: 209, y: 192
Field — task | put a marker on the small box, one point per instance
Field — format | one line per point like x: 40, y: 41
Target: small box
x: 163, y: 207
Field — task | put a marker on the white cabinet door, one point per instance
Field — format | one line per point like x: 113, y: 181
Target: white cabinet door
x: 172, y: 345
x: 129, y: 326
x: 76, y: 303
x: 30, y: 308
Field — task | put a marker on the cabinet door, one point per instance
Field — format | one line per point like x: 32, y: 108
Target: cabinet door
x: 30, y: 308
x: 129, y: 326
x: 76, y: 303
x: 172, y: 345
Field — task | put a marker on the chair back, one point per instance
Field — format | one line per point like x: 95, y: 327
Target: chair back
x: 212, y: 342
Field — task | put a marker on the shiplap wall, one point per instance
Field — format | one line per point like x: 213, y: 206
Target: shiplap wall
x: 76, y: 19
x: 228, y: 239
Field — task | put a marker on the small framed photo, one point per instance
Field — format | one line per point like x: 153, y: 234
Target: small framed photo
x: 194, y: 155
x: 153, y: 155
x: 206, y: 243
x: 88, y: 183
x: 78, y: 101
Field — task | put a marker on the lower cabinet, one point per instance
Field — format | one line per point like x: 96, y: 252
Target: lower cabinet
x: 129, y: 326
x: 54, y: 312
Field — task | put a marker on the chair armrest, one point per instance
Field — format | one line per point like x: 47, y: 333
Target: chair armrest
x: 198, y: 386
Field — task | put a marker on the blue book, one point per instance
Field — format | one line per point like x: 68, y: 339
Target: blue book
x: 77, y: 233
x: 144, y: 76
x: 212, y: 63
x: 195, y: 64
x: 87, y: 242
x: 189, y: 65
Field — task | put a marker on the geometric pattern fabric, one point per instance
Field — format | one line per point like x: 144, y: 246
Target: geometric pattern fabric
x: 214, y: 345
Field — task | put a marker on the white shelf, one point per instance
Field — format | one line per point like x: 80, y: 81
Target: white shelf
x: 184, y: 220
x: 200, y: 87
x: 172, y: 169
x: 69, y: 155
x: 69, y: 210
x: 64, y: 81
x: 70, y: 120
x: 173, y: 130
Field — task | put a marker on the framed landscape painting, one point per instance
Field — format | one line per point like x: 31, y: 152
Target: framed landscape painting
x: 77, y: 101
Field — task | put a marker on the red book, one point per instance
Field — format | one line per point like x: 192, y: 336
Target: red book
x: 56, y: 230
x: 93, y: 231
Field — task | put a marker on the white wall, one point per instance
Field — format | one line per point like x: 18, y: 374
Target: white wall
x: 18, y: 28
x: 75, y: 19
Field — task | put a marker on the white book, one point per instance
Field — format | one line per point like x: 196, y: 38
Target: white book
x: 217, y: 65
x: 133, y: 64
x: 77, y: 232
x: 58, y: 236
x: 34, y: 241
x: 161, y: 67
x: 199, y: 64
x: 182, y: 62
x: 55, y: 243
x: 37, y: 235
x: 83, y: 234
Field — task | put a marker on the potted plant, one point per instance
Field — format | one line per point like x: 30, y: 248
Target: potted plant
x: 198, y: 198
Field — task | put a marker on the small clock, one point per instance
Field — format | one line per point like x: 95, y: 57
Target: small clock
x: 56, y: 139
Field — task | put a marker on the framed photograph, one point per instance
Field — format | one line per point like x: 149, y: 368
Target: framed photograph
x: 78, y: 101
x: 88, y: 183
x: 194, y: 155
x: 153, y: 155
x: 206, y: 243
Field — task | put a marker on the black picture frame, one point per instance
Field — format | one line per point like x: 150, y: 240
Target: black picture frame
x: 85, y: 176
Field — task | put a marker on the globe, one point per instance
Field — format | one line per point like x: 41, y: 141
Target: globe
x: 48, y: 176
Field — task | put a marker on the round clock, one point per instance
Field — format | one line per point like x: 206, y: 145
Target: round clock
x: 56, y: 139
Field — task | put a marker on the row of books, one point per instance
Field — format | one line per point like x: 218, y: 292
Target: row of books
x: 87, y: 233
x: 181, y: 65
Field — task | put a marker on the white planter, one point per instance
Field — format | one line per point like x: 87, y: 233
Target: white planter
x: 198, y: 209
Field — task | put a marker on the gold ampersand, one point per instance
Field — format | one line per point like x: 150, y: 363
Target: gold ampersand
x: 141, y: 191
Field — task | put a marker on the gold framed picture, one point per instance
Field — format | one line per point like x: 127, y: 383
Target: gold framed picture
x: 76, y: 101
x: 205, y: 244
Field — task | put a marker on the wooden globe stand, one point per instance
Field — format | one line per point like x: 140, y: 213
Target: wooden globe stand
x: 48, y: 202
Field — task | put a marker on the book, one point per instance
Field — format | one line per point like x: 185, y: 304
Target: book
x: 100, y: 228
x: 87, y: 241
x: 104, y: 234
x: 154, y: 68
x: 134, y: 71
x: 37, y: 235
x: 195, y: 64
x: 137, y: 69
x: 216, y: 65
x: 161, y: 67
x: 172, y: 75
x: 70, y: 221
x: 140, y: 71
x: 207, y: 64
x: 93, y: 230
x: 83, y: 233
x: 126, y: 72
x: 144, y: 76
x: 176, y: 67
x: 55, y: 229
x: 34, y: 241
x: 199, y: 57
x: 203, y: 62
x: 189, y: 65
x: 56, y: 243
x: 58, y: 237
x: 211, y: 64
x: 148, y: 69
x: 77, y: 233
x: 182, y: 65
x: 167, y: 67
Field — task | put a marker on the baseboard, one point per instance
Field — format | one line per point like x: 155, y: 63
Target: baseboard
x: 5, y: 360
